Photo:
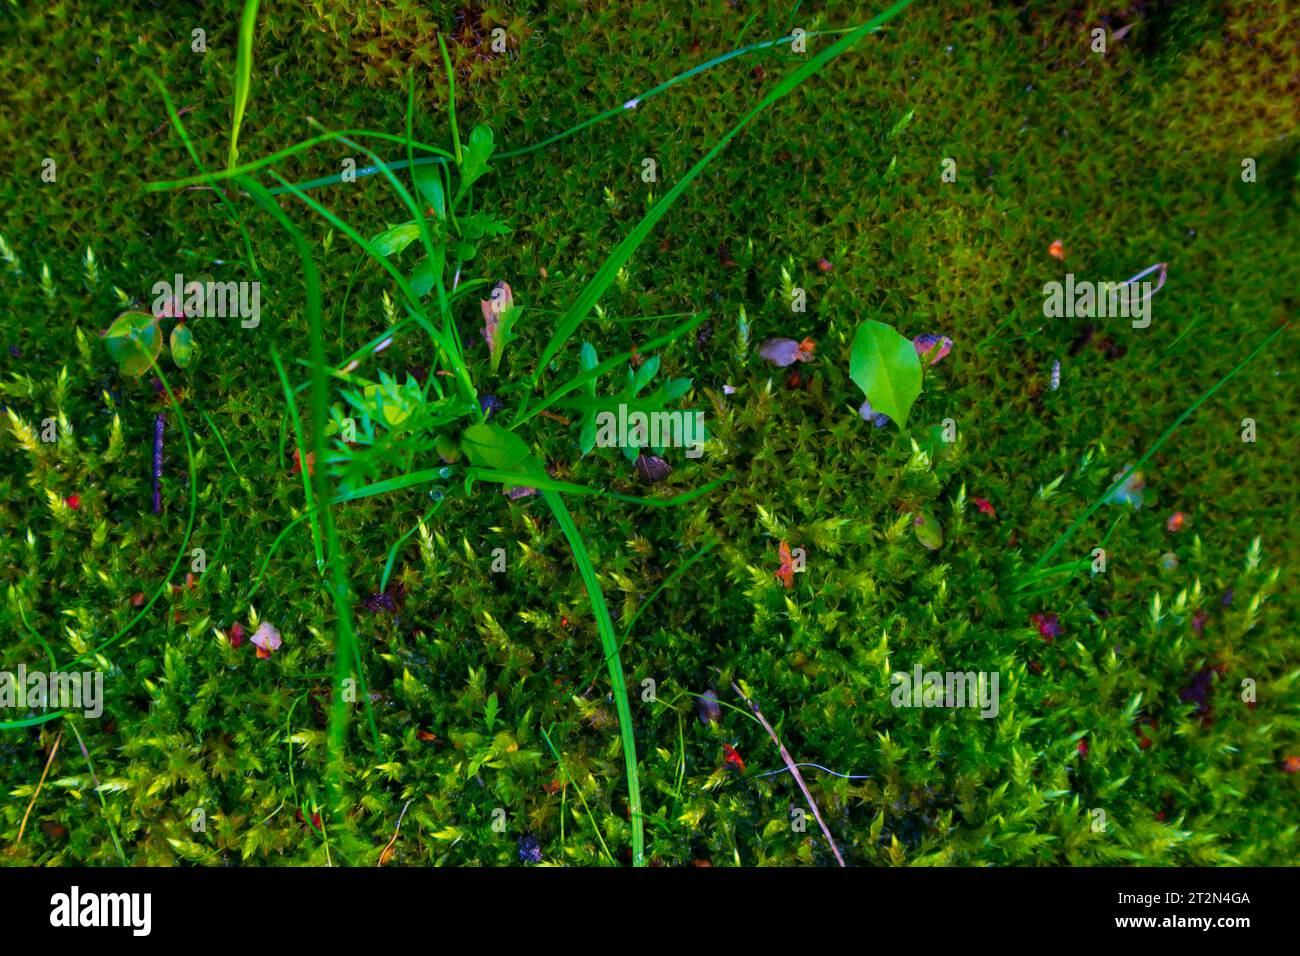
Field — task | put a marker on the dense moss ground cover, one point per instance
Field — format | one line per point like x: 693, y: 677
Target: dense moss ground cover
x: 1132, y: 704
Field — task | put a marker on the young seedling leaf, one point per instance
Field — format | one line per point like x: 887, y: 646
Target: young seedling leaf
x: 491, y: 446
x: 182, y: 345
x: 885, y: 366
x: 134, y: 341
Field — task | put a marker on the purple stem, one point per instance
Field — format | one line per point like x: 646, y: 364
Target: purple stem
x: 159, y: 424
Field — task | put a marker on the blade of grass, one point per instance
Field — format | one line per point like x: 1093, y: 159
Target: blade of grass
x: 339, y: 588
x: 590, y: 816
x: 451, y: 99
x: 621, y: 110
x: 99, y: 793
x: 303, y: 460
x: 231, y: 212
x: 605, y: 627
x: 243, y: 77
x: 609, y: 269
x: 677, y: 573
x: 1159, y: 443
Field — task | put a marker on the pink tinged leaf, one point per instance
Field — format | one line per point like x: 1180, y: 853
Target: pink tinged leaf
x: 780, y: 352
x: 266, y: 638
x: 502, y: 301
x: 934, y: 345
x: 491, y: 324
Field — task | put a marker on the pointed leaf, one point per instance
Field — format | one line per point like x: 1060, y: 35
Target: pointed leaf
x: 885, y: 366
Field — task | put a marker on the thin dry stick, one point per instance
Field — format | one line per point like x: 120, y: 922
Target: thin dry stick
x: 794, y: 771
x: 44, y: 773
x: 400, y: 818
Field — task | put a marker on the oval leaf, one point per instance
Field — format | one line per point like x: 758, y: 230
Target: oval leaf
x: 928, y: 530
x: 886, y: 367
x: 134, y: 341
x: 491, y: 446
x: 182, y: 345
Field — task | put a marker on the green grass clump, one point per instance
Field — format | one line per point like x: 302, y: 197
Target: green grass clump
x: 478, y: 691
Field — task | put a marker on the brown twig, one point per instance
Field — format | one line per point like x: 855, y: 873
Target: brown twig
x: 384, y: 854
x: 794, y: 771
x: 44, y: 773
x: 554, y: 417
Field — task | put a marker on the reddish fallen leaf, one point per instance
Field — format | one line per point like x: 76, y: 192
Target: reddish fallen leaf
x: 1291, y: 764
x: 730, y: 756
x: 73, y: 501
x: 236, y: 634
x: 266, y: 639
x: 311, y: 463
x: 1083, y: 748
x: 137, y: 599
x: 785, y: 573
x: 1056, y: 250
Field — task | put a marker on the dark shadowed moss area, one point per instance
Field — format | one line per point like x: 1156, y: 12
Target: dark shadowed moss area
x: 1168, y: 699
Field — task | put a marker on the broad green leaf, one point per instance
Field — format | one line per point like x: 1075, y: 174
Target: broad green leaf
x: 182, y: 345
x: 134, y: 341
x: 928, y: 530
x: 649, y: 368
x: 475, y: 160
x: 423, y: 275
x: 428, y: 181
x: 394, y: 240
x: 491, y: 446
x: 885, y: 366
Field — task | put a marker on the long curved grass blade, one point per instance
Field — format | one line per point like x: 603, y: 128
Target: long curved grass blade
x: 303, y: 460
x: 243, y: 77
x: 609, y: 641
x: 624, y: 250
x: 340, y: 590
x: 594, y: 826
x: 621, y: 110
x: 1159, y: 443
